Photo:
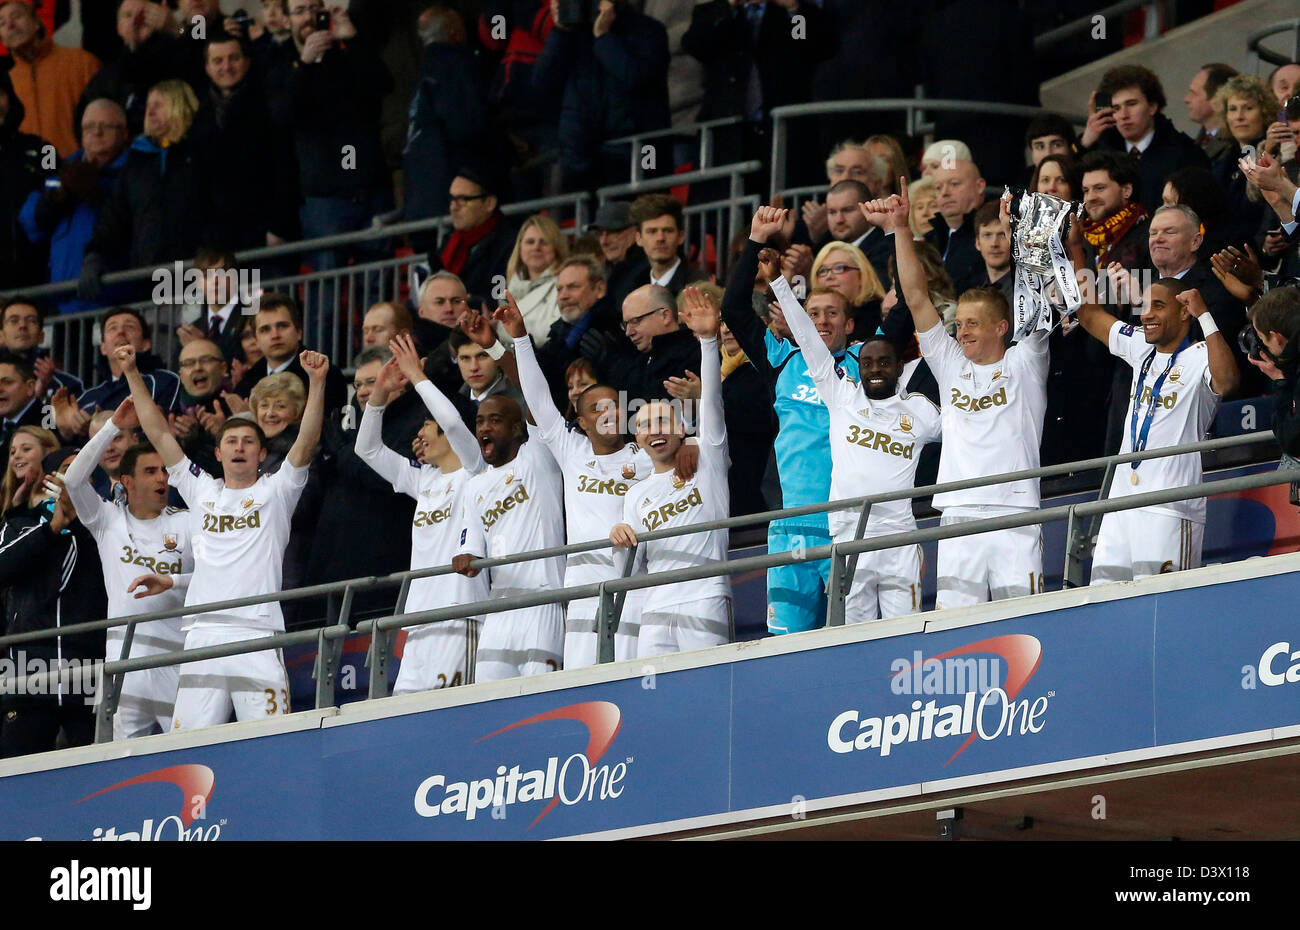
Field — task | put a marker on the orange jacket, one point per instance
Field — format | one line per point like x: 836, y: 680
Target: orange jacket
x: 49, y: 87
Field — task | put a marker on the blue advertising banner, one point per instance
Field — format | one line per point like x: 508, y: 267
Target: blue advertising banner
x: 823, y: 717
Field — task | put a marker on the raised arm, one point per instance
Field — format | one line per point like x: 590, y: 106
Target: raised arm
x: 537, y: 393
x: 444, y: 412
x: 703, y: 320
x: 151, y: 418
x: 77, y: 478
x: 370, y: 446
x: 821, y: 364
x: 1224, y: 375
x: 1095, y: 320
x: 891, y: 214
x: 313, y: 416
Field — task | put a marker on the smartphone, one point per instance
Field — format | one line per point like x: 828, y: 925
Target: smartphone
x: 1103, y: 101
x: 322, y: 22
x: 1292, y: 109
x: 1281, y: 115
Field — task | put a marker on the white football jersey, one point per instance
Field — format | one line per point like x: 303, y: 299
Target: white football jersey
x: 875, y: 444
x: 130, y: 547
x: 517, y: 507
x: 992, y: 418
x: 594, y: 485
x: 1183, y: 413
x: 436, y: 524
x: 663, y: 500
x: 239, y: 537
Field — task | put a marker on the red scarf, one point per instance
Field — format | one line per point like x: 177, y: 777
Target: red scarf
x: 1102, y: 236
x: 458, y: 246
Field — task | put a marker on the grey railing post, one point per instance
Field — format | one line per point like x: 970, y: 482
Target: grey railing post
x: 610, y: 613
x: 842, y: 571
x: 778, y: 151
x: 377, y: 658
x: 1076, y: 551
x: 326, y: 669
x: 106, y: 707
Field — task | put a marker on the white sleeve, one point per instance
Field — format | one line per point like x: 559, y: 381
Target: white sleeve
x: 820, y: 362
x: 448, y: 418
x: 188, y: 479
x: 537, y: 393
x: 1031, y: 354
x: 182, y: 581
x: 472, y: 541
x: 90, y: 506
x: 940, y: 351
x: 713, y: 425
x: 1123, y: 344
x: 287, y: 484
x: 370, y: 448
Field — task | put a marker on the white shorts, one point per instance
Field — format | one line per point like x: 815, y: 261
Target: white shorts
x: 1140, y: 543
x: 254, y: 685
x: 886, y: 583
x: 709, y: 623
x: 438, y: 655
x: 514, y: 643
x: 580, y: 635
x: 148, y: 696
x: 990, y: 566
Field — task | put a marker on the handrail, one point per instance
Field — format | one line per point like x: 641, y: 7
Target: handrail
x: 677, y: 180
x: 1085, y: 23
x: 698, y: 572
x: 854, y: 503
x: 1254, y: 46
x: 910, y: 106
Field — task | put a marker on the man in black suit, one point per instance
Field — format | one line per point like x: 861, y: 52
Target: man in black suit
x: 845, y: 223
x: 278, y: 326
x: 482, y: 236
x: 222, y: 318
x: 1134, y: 124
x: 660, y: 232
x: 19, y: 403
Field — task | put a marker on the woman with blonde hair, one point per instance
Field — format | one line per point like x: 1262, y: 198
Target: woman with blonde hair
x: 842, y: 267
x: 1245, y: 107
x: 531, y: 274
x: 27, y: 448
x: 169, y: 112
x: 887, y: 147
x: 923, y: 195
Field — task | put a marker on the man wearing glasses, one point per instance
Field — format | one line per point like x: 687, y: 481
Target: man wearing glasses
x: 659, y: 347
x: 482, y: 238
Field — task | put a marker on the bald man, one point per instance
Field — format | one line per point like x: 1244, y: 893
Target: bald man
x: 953, y: 233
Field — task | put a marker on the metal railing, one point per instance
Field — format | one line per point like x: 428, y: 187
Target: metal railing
x: 703, y: 133
x: 1255, y: 46
x: 335, y: 300
x: 913, y: 108
x: 1085, y: 24
x: 329, y: 639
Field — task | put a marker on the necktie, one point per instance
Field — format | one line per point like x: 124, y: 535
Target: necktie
x: 214, y: 326
x: 1135, y: 151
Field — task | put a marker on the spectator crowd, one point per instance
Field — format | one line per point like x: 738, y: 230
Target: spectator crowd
x: 539, y: 384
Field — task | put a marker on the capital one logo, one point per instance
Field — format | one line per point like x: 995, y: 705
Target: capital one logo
x: 196, y: 784
x: 997, y: 712
x: 571, y: 780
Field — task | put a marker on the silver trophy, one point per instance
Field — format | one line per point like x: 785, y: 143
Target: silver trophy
x: 1044, y: 285
x: 1036, y: 218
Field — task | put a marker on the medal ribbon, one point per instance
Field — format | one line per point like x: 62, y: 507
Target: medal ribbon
x: 1138, y: 441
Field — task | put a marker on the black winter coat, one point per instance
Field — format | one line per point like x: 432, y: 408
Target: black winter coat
x: 608, y: 87
x: 642, y: 374
x: 53, y: 580
x: 333, y: 108
x: 160, y: 209
x: 21, y: 263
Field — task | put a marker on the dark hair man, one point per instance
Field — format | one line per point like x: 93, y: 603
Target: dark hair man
x: 240, y: 524
x: 143, y: 543
x: 1177, y: 384
x: 1134, y: 124
x: 660, y: 232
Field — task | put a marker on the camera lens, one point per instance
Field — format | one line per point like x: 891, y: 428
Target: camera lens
x: 1248, y: 341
